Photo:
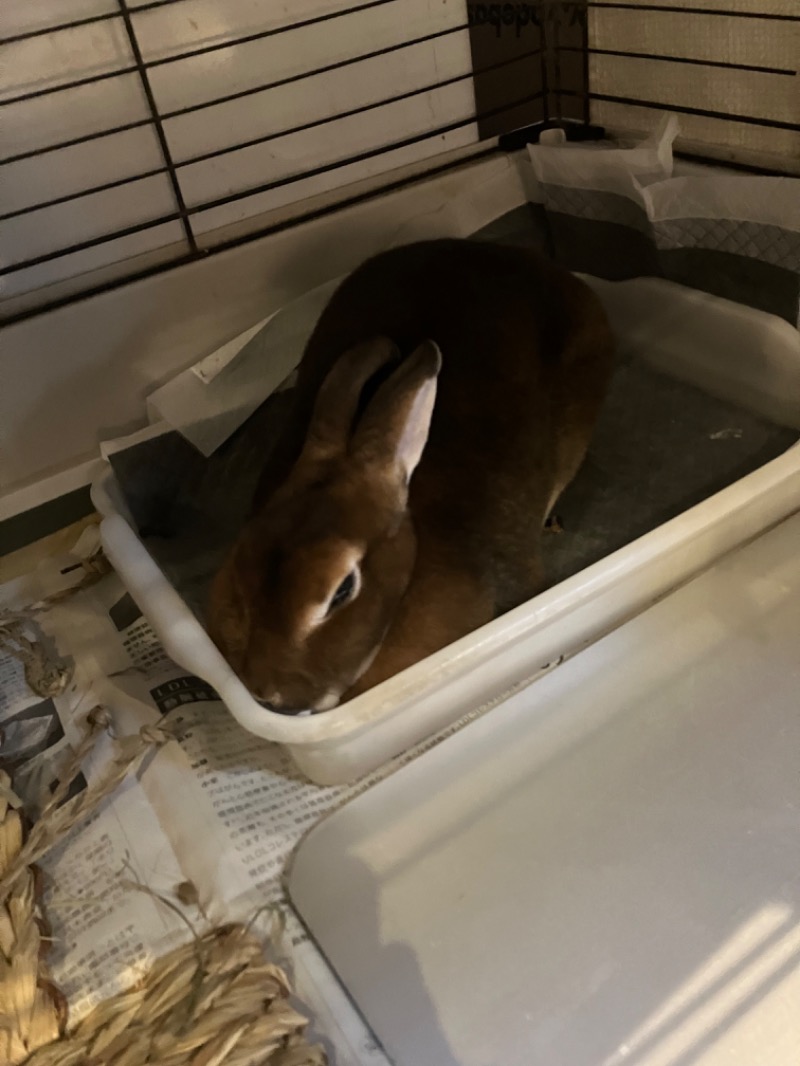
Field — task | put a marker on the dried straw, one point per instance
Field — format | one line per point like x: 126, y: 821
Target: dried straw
x: 215, y: 1000
x: 207, y: 1003
x: 31, y: 1011
x: 45, y: 675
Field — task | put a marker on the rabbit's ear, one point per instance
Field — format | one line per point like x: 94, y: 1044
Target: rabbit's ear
x: 337, y: 400
x: 394, y: 429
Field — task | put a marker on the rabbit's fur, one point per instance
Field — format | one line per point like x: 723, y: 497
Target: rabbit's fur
x: 445, y: 399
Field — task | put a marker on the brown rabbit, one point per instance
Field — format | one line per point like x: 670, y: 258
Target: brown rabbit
x: 477, y: 368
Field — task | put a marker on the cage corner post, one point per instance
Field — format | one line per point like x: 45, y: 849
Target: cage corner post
x: 530, y: 64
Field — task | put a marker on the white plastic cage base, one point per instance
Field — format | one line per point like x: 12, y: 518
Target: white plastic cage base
x: 741, y: 355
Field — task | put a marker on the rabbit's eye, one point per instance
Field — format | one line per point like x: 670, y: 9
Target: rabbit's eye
x: 344, y: 591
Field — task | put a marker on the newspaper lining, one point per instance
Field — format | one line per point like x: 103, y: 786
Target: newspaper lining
x: 217, y: 807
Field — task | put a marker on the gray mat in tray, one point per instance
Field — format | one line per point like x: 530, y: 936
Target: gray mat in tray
x: 660, y: 447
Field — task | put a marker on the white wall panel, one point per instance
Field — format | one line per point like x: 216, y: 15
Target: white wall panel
x: 31, y: 235
x: 319, y: 97
x: 106, y: 261
x: 218, y: 220
x: 50, y: 60
x: 722, y: 49
x: 759, y: 42
x: 306, y: 127
x: 326, y: 145
x: 741, y: 92
x: 722, y: 140
x: 199, y: 78
x: 33, y: 181
x: 40, y: 15
x: 771, y: 7
x: 31, y: 125
x: 172, y: 29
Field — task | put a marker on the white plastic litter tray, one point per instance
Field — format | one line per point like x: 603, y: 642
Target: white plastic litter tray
x: 738, y: 354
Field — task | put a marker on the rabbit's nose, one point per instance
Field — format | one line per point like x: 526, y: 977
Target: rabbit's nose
x: 277, y: 704
x: 282, y: 709
x: 270, y: 700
